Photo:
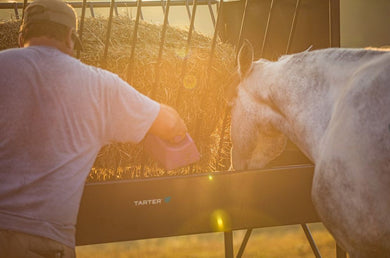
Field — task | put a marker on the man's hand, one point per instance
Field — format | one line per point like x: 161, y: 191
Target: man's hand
x: 168, y: 125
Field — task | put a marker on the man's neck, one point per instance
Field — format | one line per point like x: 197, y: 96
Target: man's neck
x: 49, y: 42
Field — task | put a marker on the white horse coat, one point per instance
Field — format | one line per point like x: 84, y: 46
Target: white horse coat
x: 334, y: 104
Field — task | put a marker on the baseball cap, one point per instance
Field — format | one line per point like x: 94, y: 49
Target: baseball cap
x: 55, y: 11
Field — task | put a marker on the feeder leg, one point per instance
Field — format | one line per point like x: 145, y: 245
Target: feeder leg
x: 311, y: 241
x: 228, y: 236
x: 244, y: 242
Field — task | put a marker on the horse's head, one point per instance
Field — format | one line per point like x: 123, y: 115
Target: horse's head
x: 254, y: 117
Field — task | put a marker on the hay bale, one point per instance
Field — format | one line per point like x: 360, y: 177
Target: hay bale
x: 197, y: 94
x: 9, y: 34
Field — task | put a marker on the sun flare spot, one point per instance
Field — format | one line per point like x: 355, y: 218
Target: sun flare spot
x: 220, y: 221
x: 181, y: 53
x: 189, y: 81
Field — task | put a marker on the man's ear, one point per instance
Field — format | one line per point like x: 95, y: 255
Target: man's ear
x: 245, y: 58
x: 21, y: 40
x: 69, y: 40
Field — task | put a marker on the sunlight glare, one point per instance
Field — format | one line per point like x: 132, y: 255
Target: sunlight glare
x: 181, y: 53
x: 220, y: 221
x: 189, y: 81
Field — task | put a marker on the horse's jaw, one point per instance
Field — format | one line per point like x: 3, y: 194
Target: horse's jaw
x: 265, y: 151
x: 248, y: 165
x: 268, y: 149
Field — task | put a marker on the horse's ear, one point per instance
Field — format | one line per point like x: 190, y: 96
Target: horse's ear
x: 245, y: 58
x: 245, y: 62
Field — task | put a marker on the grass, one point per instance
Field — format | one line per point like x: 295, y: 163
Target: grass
x: 286, y: 241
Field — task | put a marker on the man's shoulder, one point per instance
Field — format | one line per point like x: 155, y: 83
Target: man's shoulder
x: 11, y: 52
x: 21, y: 53
x: 11, y: 59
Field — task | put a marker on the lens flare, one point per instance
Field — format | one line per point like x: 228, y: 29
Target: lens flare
x: 189, y: 81
x: 181, y: 53
x: 211, y: 178
x: 220, y: 221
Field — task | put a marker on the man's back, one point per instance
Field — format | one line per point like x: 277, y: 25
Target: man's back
x: 55, y: 114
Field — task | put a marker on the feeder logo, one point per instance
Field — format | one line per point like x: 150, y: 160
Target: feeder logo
x: 150, y: 202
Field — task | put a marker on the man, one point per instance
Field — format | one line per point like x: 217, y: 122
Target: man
x: 55, y: 115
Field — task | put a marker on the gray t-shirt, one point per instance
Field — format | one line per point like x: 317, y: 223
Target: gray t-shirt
x: 55, y: 115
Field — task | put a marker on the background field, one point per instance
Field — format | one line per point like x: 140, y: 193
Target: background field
x: 287, y: 241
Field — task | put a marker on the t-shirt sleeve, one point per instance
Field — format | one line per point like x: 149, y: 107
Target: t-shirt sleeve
x: 128, y: 113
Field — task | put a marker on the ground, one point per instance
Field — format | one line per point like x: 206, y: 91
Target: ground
x: 288, y: 241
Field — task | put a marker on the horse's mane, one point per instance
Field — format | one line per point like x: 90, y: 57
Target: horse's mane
x: 283, y: 57
x: 335, y: 54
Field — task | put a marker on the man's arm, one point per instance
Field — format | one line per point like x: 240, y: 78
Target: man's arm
x: 168, y: 125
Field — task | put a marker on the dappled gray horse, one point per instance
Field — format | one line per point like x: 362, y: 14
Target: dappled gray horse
x: 334, y: 104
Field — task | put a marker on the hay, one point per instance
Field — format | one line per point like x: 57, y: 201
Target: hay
x: 200, y: 90
x: 9, y: 34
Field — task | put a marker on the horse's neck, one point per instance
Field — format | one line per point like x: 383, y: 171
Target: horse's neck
x: 304, y: 95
